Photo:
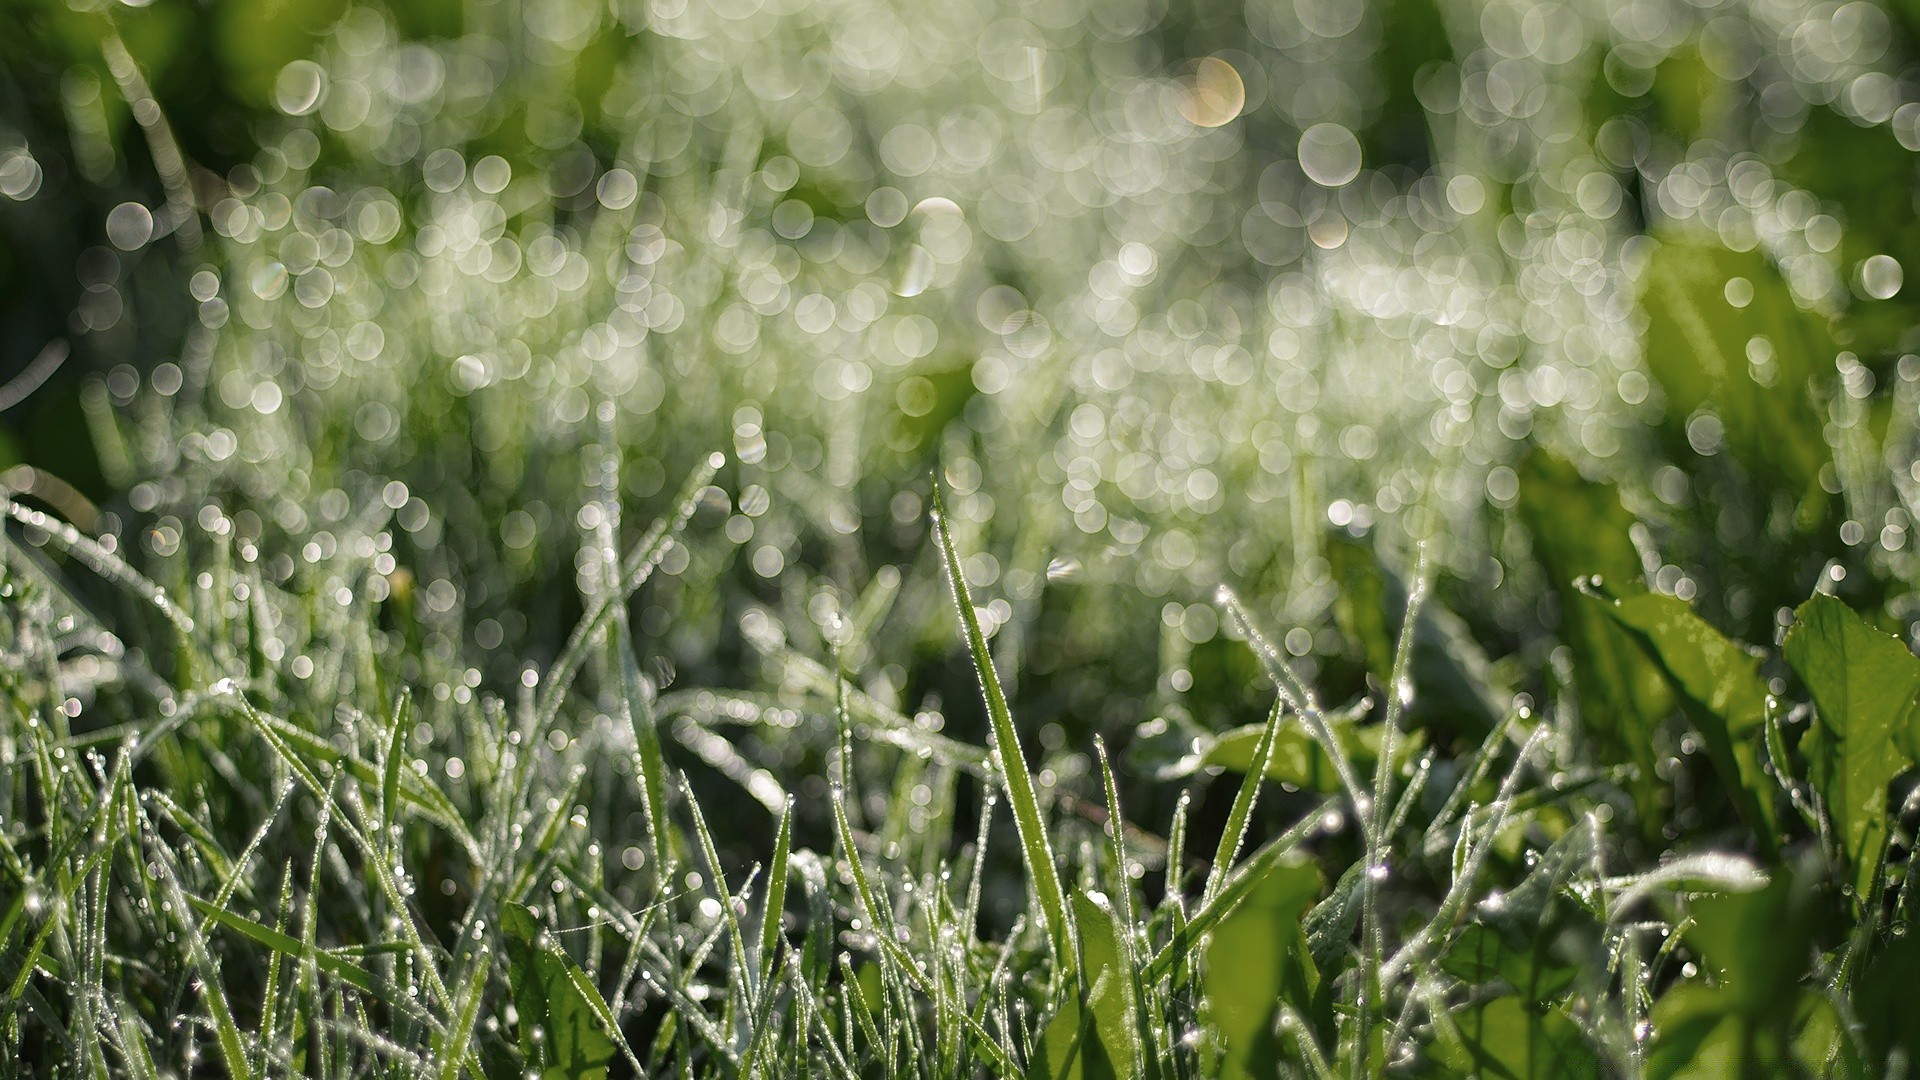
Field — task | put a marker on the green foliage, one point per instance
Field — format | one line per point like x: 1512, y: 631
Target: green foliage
x: 1701, y: 349
x: 1866, y: 694
x: 373, y: 703
x: 1256, y: 964
x: 1718, y: 682
x: 1581, y: 535
x: 564, y: 1022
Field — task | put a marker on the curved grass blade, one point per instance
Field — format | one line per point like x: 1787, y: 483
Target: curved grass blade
x: 1236, y: 831
x: 634, y: 572
x: 1006, y: 745
x: 101, y: 561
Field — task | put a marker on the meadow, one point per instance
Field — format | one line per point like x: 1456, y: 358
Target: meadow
x: 872, y: 538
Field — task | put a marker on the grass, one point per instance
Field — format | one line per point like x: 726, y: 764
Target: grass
x: 959, y: 540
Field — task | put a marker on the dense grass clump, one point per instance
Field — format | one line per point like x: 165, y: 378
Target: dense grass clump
x: 869, y: 539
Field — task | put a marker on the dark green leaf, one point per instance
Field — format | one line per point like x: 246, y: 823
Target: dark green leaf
x: 1069, y: 1049
x: 557, y: 1001
x: 1298, y: 759
x: 1719, y: 685
x: 1580, y: 532
x: 1257, y: 957
x: 1699, y: 347
x: 1511, y: 1039
x: 1108, y: 978
x: 1866, y: 690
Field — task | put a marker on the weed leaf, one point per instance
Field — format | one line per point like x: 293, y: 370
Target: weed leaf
x: 1866, y: 692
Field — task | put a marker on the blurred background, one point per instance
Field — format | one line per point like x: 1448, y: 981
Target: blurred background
x: 1170, y: 294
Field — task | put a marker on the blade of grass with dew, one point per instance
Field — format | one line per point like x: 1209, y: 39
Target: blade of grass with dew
x: 776, y: 902
x: 634, y: 703
x: 233, y: 1051
x: 452, y: 1046
x: 1236, y: 828
x: 346, y: 971
x: 634, y: 572
x: 1235, y: 889
x: 391, y: 766
x: 997, y: 1059
x: 1036, y: 848
x: 101, y: 561
x: 1303, y: 701
x: 1399, y: 697
x: 739, y: 985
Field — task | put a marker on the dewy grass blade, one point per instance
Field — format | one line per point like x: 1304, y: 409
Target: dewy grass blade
x: 634, y: 572
x: 636, y: 703
x: 233, y: 1051
x: 396, y: 753
x: 451, y: 1046
x: 776, y: 903
x: 1006, y: 745
x: 344, y: 970
x: 1235, y: 889
x: 737, y: 961
x: 1236, y: 830
x: 891, y: 949
x: 101, y: 561
x: 1399, y: 696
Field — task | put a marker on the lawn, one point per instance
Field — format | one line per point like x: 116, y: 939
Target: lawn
x: 872, y: 538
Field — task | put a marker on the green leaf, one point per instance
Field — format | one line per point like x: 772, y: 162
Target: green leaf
x: 1698, y: 1038
x: 1257, y: 957
x: 1107, y: 974
x: 1297, y: 759
x: 1719, y: 686
x: 1069, y: 1049
x: 1510, y: 1038
x: 1866, y: 692
x: 1866, y: 172
x: 557, y: 1000
x: 1886, y: 1005
x: 1536, y: 939
x: 1580, y: 532
x: 1698, y: 348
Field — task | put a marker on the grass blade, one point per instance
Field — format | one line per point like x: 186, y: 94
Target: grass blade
x: 1035, y: 846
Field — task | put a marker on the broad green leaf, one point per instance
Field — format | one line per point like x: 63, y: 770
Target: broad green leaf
x: 1299, y: 760
x: 1512, y: 1039
x: 1866, y: 692
x: 1257, y: 956
x: 1696, y: 1037
x: 1865, y: 171
x: 1069, y: 1048
x: 1482, y: 954
x: 1885, y: 1002
x: 557, y: 1000
x: 1719, y: 686
x: 1701, y: 350
x: 1107, y: 976
x: 1581, y: 531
